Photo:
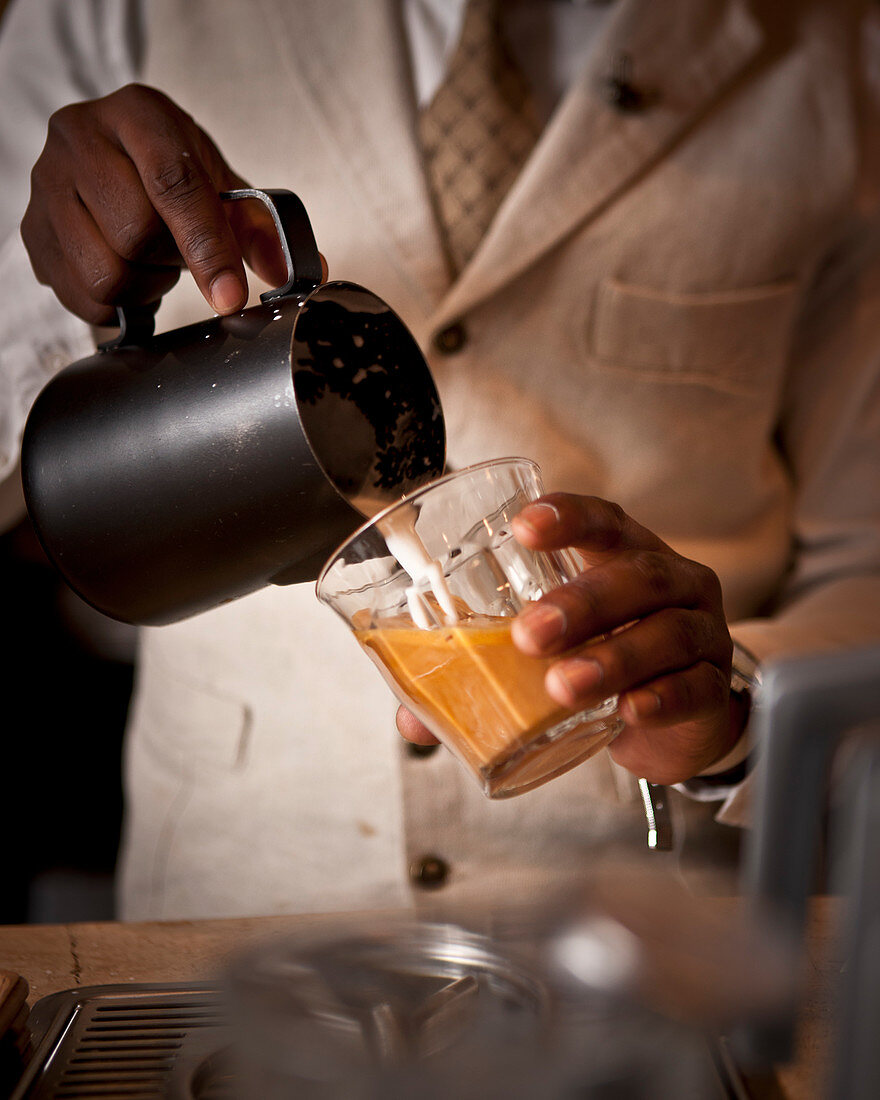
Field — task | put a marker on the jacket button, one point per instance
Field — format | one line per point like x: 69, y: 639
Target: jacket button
x: 421, y: 751
x: 620, y: 90
x: 623, y: 96
x: 429, y: 872
x: 451, y: 339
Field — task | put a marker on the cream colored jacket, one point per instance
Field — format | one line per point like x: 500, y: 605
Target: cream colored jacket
x: 677, y: 308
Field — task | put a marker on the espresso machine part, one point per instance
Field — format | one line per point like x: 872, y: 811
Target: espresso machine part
x: 376, y: 1008
x: 812, y: 714
x: 620, y: 986
x: 168, y: 474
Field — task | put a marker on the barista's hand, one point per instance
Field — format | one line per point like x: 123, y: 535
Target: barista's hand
x: 669, y: 660
x: 124, y: 192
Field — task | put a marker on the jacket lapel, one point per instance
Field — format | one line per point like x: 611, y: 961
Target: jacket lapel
x: 589, y: 152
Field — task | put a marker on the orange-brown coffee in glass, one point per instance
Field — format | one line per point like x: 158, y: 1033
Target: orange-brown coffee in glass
x: 484, y: 699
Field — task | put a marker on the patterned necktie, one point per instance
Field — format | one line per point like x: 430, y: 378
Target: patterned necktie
x: 477, y: 132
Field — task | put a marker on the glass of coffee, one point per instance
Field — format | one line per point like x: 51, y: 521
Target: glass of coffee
x: 430, y: 587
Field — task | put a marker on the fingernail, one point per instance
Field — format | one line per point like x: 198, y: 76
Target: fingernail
x: 226, y: 293
x: 640, y: 705
x: 540, y: 626
x: 574, y: 678
x: 540, y: 517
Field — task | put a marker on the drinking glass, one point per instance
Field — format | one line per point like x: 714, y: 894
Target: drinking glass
x: 430, y: 587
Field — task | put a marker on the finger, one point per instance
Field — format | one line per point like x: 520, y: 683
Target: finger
x: 61, y: 268
x: 605, y: 598
x: 412, y: 729
x: 676, y: 726
x: 44, y: 228
x: 683, y: 696
x: 96, y: 278
x: 597, y: 528
x: 251, y: 222
x: 83, y: 155
x: 167, y: 150
x: 257, y: 236
x: 68, y: 290
x: 111, y: 189
x: 671, y: 641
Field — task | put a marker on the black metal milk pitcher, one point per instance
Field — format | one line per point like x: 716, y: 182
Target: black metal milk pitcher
x: 168, y: 474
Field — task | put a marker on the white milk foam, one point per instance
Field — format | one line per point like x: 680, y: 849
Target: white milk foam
x: 399, y: 530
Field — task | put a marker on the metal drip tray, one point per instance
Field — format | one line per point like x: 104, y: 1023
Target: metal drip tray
x: 143, y: 1042
x: 132, y: 1042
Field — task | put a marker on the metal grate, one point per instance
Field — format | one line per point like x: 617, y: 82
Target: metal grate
x: 171, y: 1042
x: 124, y: 1042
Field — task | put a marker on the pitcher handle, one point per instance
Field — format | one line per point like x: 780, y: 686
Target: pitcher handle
x: 298, y: 246
x: 295, y: 234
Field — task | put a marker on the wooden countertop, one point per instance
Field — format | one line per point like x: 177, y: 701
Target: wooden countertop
x: 53, y: 957
x: 58, y: 957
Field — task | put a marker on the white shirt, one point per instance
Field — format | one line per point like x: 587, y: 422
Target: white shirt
x: 550, y: 40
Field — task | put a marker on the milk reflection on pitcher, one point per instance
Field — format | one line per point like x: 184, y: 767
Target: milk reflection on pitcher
x: 430, y: 588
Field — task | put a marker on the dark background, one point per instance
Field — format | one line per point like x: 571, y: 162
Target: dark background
x: 68, y: 675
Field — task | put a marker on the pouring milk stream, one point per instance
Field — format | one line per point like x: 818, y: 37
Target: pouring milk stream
x: 400, y: 534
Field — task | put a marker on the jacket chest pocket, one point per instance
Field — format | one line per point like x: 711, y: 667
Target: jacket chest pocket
x: 736, y: 341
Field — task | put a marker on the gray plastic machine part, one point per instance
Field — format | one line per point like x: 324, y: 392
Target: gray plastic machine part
x: 807, y: 710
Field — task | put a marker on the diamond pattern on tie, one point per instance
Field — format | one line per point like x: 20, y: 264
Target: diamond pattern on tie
x: 477, y: 132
